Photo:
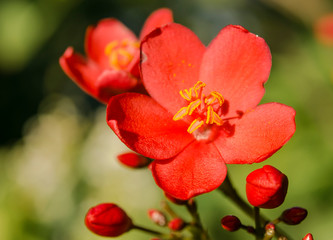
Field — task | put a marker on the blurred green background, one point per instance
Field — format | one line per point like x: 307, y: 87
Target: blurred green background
x: 58, y: 156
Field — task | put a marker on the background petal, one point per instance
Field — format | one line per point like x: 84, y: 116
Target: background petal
x: 198, y: 169
x: 83, y: 72
x: 171, y: 58
x: 237, y: 63
x: 106, y: 31
x: 157, y: 19
x: 146, y: 127
x: 258, y: 134
x: 112, y: 82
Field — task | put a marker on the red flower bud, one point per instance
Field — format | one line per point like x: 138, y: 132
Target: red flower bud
x: 308, y: 237
x: 133, y: 160
x: 231, y: 223
x: 176, y: 224
x: 269, y: 226
x: 157, y: 217
x: 108, y: 220
x: 266, y: 187
x: 293, y: 216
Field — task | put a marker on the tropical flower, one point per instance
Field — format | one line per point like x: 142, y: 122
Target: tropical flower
x: 202, y: 110
x: 113, y: 54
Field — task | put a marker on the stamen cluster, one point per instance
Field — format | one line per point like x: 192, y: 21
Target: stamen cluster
x: 120, y: 53
x: 205, y: 109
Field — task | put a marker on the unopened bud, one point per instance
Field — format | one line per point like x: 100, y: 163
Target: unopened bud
x: 133, y: 160
x: 308, y: 237
x: 176, y: 224
x: 293, y: 216
x: 231, y: 223
x: 266, y: 187
x: 269, y: 226
x: 157, y: 217
x: 269, y: 231
x: 108, y: 220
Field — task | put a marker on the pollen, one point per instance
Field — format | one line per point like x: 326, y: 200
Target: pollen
x: 206, y: 110
x: 121, y: 53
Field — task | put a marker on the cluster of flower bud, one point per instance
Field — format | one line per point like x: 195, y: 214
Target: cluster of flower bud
x: 159, y: 218
x: 267, y: 188
x: 109, y: 220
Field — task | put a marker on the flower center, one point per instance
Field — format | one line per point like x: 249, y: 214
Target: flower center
x: 205, y: 109
x: 121, y: 53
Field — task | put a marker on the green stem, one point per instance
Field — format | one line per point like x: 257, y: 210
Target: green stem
x: 229, y: 191
x: 257, y: 222
x: 156, y: 233
x: 196, y: 221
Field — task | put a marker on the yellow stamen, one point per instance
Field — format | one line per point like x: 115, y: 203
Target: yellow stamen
x: 218, y: 96
x: 200, y: 107
x: 121, y: 53
x: 195, y: 125
x: 188, y: 94
x: 110, y: 47
x: 114, y: 60
x: 198, y: 86
x: 180, y: 114
x: 193, y: 105
x: 216, y: 119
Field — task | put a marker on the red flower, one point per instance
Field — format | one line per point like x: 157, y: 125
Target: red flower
x: 111, y: 66
x: 323, y: 29
x: 108, y: 220
x: 203, y: 110
x: 266, y: 187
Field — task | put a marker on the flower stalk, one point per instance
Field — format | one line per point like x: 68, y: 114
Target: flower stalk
x: 196, y: 221
x: 147, y: 230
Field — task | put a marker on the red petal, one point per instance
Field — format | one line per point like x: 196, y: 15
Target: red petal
x: 237, y: 63
x: 157, y: 19
x: 145, y: 127
x: 258, y: 134
x: 82, y: 71
x: 196, y: 170
x: 106, y: 31
x: 112, y: 82
x: 171, y: 58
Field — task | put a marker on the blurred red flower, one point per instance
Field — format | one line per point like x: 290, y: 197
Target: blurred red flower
x: 113, y: 54
x: 203, y: 110
x: 323, y: 29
